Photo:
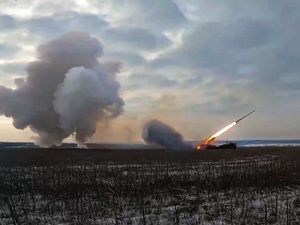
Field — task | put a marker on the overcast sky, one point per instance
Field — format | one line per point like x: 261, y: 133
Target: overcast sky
x: 198, y: 64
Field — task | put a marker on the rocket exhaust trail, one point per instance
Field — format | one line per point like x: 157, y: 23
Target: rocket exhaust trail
x: 203, y: 144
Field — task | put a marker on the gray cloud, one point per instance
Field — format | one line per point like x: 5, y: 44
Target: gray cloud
x: 133, y: 59
x: 8, y: 50
x: 258, y: 51
x: 136, y: 38
x: 64, y: 21
x: 48, y: 7
x: 13, y: 68
x: 7, y: 22
x: 122, y: 37
x: 225, y: 105
x: 220, y: 46
x: 158, y: 16
x: 165, y: 14
x: 138, y: 81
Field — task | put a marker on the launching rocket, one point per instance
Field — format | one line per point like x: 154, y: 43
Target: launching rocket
x: 203, y: 144
x: 245, y: 116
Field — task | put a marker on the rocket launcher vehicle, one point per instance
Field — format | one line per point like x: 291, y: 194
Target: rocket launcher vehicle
x: 206, y: 142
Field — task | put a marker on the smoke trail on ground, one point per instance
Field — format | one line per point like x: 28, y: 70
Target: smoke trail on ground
x: 66, y: 91
x: 159, y: 133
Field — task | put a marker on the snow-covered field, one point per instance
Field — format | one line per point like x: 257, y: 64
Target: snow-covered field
x: 250, y: 191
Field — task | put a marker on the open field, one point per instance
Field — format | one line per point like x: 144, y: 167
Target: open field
x: 36, y: 156
x: 73, y: 186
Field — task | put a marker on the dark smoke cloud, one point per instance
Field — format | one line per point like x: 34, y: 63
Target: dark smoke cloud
x: 67, y: 90
x: 159, y: 133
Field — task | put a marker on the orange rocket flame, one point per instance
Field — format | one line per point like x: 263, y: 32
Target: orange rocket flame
x: 211, y: 138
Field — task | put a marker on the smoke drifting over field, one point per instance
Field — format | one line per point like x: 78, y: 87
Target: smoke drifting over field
x: 66, y: 91
x: 157, y: 132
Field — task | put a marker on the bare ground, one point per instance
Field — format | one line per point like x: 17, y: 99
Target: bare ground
x: 51, y: 156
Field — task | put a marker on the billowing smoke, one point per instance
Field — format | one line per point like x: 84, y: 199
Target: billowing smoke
x: 159, y: 133
x: 67, y: 91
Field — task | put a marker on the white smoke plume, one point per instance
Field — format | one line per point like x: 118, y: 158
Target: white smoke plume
x: 159, y: 133
x: 66, y: 91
